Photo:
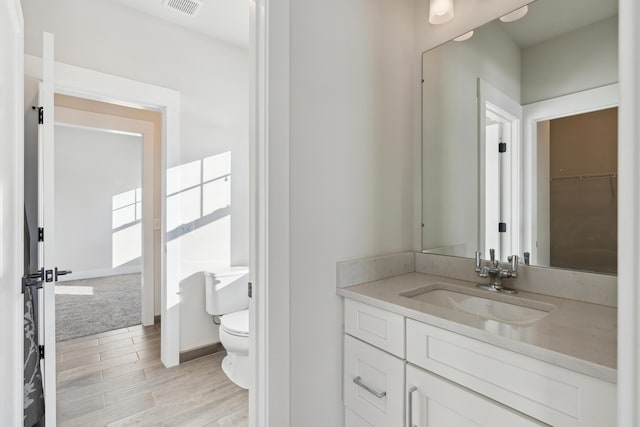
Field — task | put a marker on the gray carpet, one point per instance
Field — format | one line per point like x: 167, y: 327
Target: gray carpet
x: 90, y: 306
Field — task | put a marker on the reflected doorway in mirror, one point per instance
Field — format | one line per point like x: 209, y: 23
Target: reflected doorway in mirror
x: 500, y: 119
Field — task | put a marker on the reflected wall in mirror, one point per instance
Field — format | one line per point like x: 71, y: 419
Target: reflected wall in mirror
x: 520, y: 138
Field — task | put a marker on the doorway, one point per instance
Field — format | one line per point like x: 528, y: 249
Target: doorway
x: 500, y: 137
x: 579, y: 116
x: 578, y: 155
x: 98, y: 210
x: 117, y: 149
x: 500, y: 119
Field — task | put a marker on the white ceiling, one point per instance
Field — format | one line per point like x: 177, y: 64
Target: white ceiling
x: 551, y: 18
x: 226, y: 20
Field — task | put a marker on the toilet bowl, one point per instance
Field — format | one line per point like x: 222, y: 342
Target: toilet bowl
x: 226, y: 298
x: 234, y: 336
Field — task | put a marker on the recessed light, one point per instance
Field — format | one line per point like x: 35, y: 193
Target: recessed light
x: 515, y: 15
x: 465, y: 36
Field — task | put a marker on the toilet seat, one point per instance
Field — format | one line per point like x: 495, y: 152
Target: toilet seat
x: 236, y: 323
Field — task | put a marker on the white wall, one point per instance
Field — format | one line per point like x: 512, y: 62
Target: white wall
x: 352, y: 66
x: 212, y: 78
x: 354, y: 131
x: 450, y: 132
x: 583, y: 59
x: 97, y: 210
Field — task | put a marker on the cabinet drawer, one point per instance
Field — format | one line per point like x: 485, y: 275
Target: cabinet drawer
x: 380, y: 328
x: 379, y: 397
x: 353, y: 420
x: 436, y: 402
x: 546, y: 392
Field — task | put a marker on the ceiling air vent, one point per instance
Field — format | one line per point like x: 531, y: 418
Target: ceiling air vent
x: 190, y: 7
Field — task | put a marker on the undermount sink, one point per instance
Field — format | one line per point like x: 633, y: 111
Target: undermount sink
x: 511, y: 310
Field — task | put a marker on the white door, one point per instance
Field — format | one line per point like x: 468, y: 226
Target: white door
x: 433, y: 401
x: 11, y: 213
x: 46, y: 246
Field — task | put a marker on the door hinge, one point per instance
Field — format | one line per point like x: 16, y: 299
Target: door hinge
x: 41, y: 351
x: 502, y: 227
x: 48, y: 276
x: 502, y: 147
x: 40, y: 114
x: 250, y: 289
x: 40, y: 234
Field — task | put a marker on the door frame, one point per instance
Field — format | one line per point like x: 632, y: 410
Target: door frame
x: 269, y: 271
x: 89, y: 84
x: 12, y: 220
x: 492, y: 100
x: 628, y: 214
x: 75, y: 118
x: 562, y: 106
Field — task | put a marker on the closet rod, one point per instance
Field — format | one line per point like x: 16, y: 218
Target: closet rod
x: 580, y: 177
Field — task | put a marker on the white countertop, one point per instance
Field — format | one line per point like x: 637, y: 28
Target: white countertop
x: 575, y: 335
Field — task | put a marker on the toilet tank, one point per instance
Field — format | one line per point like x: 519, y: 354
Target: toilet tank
x: 226, y: 290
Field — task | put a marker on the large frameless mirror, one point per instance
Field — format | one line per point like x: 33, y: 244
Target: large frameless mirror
x: 520, y: 138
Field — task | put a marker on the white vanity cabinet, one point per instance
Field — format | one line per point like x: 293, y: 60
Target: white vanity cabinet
x: 398, y: 371
x: 436, y: 402
x: 554, y: 395
x: 373, y: 385
x: 373, y: 372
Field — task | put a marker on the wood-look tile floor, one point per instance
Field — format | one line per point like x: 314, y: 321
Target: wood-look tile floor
x: 116, y: 378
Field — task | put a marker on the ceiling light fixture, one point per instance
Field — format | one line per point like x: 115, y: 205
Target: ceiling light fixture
x: 440, y: 11
x: 515, y: 15
x: 465, y: 36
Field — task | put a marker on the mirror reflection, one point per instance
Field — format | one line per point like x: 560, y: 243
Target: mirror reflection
x: 520, y: 138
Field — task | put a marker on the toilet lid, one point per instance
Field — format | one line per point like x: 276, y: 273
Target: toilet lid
x: 236, y: 323
x: 229, y: 271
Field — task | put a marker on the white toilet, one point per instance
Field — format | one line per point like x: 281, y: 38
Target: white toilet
x: 226, y: 296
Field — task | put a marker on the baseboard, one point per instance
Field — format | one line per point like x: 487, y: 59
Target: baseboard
x: 199, y: 352
x: 101, y: 272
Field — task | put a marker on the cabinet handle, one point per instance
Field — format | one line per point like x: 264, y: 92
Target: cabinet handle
x: 410, y: 409
x: 377, y: 394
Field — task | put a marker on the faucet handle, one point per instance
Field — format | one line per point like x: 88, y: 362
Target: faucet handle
x: 492, y: 253
x: 513, y: 259
x: 478, y: 253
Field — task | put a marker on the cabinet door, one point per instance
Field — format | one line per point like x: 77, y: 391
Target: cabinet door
x: 436, y: 402
x: 546, y: 392
x: 373, y: 385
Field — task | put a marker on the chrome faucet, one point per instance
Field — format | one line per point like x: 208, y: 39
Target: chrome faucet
x: 496, y: 273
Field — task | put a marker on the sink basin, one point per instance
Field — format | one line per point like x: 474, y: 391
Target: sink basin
x: 511, y: 310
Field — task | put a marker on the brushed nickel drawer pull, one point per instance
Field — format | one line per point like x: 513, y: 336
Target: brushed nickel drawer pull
x: 359, y: 383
